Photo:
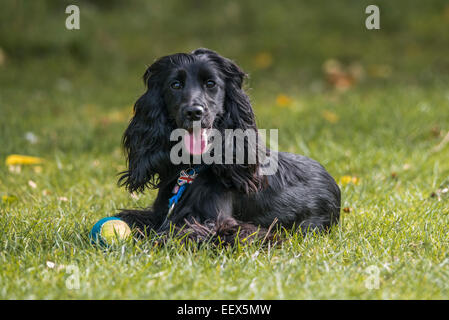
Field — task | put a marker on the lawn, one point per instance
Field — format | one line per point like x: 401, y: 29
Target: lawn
x: 378, y: 125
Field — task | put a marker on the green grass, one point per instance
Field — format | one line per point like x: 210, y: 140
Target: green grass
x: 77, y: 97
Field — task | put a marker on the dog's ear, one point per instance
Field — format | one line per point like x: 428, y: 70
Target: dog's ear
x: 146, y: 140
x: 238, y: 115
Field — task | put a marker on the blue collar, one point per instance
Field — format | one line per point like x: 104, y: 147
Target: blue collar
x: 186, y: 177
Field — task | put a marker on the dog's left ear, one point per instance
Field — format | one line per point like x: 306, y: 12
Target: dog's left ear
x: 146, y: 140
x: 238, y: 115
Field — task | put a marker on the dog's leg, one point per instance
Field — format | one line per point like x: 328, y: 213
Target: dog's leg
x: 143, y: 221
x: 217, y: 224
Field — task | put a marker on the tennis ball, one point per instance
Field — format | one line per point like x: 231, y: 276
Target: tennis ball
x: 115, y: 229
x: 109, y: 229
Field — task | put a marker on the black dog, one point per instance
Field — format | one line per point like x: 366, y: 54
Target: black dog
x: 224, y: 200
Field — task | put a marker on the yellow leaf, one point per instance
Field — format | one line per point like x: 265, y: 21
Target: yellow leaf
x: 16, y: 159
x: 344, y: 180
x: 283, y: 101
x: 9, y: 199
x: 263, y: 60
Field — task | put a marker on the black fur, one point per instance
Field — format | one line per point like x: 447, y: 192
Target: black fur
x: 224, y: 200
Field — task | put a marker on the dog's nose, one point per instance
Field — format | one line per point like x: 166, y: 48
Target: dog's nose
x: 194, y: 112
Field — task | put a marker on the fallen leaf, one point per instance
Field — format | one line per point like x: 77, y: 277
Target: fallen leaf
x: 342, y: 78
x: 283, y: 100
x: 9, y: 199
x: 263, y: 60
x: 16, y: 159
x: 344, y: 180
x: 347, y: 209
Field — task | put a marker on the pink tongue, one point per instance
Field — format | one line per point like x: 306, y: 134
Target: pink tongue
x: 196, y: 142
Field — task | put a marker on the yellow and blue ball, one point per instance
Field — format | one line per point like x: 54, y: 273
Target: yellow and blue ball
x: 108, y: 230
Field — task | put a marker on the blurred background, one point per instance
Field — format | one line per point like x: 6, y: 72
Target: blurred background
x: 289, y: 39
x: 287, y: 42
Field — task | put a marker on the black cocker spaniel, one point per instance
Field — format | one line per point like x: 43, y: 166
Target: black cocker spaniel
x: 218, y: 200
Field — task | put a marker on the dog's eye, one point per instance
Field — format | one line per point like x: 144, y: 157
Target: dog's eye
x: 210, y: 84
x: 176, y: 85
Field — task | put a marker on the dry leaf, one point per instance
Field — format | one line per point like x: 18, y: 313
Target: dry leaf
x: 342, y: 78
x: 344, y: 180
x: 16, y: 159
x: 283, y: 100
x: 263, y: 60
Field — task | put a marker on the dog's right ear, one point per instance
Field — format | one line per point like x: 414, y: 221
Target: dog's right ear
x: 146, y: 140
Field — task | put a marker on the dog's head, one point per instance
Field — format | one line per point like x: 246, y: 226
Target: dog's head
x: 201, y: 88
